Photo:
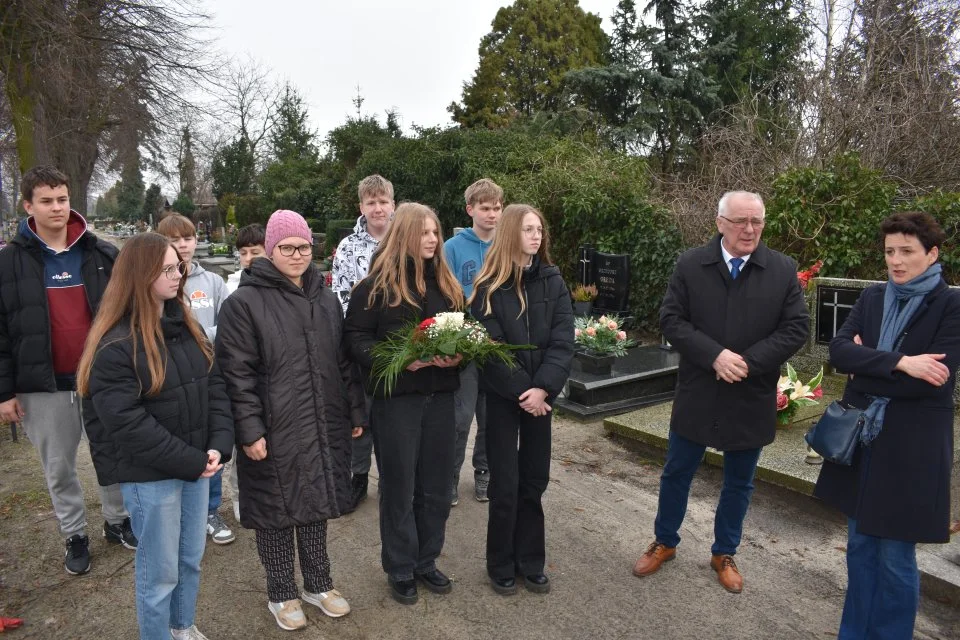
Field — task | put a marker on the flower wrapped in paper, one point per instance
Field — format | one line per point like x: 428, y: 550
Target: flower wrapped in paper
x: 445, y: 335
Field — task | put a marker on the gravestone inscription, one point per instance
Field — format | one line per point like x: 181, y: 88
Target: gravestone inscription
x: 610, y: 273
x: 833, y: 307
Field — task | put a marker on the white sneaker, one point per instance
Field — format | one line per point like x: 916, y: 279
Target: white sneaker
x: 330, y: 602
x: 190, y: 633
x: 289, y: 614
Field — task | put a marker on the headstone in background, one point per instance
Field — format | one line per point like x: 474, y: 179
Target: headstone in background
x: 833, y: 305
x: 611, y: 275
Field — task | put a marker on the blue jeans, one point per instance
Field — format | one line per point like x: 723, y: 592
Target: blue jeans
x: 216, y: 492
x: 683, y: 459
x: 883, y: 588
x: 169, y: 518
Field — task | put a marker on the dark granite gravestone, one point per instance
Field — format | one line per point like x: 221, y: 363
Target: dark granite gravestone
x: 610, y: 273
x: 833, y: 307
x: 646, y: 375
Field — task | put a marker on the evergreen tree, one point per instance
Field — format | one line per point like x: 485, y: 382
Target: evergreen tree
x: 187, y: 165
x: 152, y: 201
x: 184, y: 204
x: 234, y: 169
x: 523, y: 60
x: 130, y: 189
x: 291, y: 138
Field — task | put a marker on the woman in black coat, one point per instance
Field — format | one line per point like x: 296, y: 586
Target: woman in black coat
x: 520, y: 297
x: 901, y: 347
x: 158, y: 420
x: 413, y: 427
x: 295, y: 402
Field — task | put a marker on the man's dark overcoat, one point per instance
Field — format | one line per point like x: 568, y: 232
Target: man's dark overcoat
x: 761, y: 315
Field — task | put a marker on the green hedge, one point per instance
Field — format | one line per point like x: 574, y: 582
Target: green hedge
x: 336, y: 231
x: 834, y: 214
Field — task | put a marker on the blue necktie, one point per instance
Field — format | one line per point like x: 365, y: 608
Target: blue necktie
x: 735, y: 267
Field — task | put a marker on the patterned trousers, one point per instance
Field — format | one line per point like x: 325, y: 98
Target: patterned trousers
x: 275, y: 547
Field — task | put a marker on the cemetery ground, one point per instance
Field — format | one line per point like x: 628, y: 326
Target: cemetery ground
x: 600, y: 509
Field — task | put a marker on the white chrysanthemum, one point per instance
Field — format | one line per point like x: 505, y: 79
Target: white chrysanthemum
x: 450, y: 320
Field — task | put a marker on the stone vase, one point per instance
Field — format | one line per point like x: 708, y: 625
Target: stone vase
x: 598, y: 364
x: 583, y: 308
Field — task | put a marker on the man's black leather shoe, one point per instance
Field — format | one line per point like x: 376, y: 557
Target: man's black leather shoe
x: 403, y: 591
x: 537, y: 583
x: 435, y: 581
x: 504, y: 586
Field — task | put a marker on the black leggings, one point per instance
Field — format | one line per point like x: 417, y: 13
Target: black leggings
x: 275, y: 547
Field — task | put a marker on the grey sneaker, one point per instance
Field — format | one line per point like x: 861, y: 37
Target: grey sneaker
x: 481, y: 482
x: 190, y: 633
x: 454, y: 497
x: 218, y: 530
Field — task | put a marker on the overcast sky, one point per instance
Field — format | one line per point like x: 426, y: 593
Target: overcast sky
x: 412, y: 55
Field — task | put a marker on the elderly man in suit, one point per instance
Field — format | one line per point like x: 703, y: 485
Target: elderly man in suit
x: 735, y: 312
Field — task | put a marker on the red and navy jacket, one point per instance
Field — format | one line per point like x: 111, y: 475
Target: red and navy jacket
x: 47, y: 302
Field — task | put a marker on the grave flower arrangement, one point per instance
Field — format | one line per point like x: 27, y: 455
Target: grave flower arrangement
x: 793, y: 394
x: 602, y: 336
x: 445, y: 335
x: 806, y: 275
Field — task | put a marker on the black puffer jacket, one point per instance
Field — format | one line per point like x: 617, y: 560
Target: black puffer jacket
x: 26, y: 361
x: 289, y: 382
x: 547, y: 323
x: 139, y: 438
x: 366, y: 327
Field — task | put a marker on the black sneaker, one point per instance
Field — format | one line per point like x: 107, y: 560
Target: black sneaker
x: 358, y: 488
x: 77, y: 560
x: 120, y: 534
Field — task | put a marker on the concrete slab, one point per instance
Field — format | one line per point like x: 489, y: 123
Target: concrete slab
x: 782, y: 464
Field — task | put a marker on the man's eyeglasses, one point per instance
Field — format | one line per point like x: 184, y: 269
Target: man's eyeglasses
x: 287, y: 250
x: 531, y: 232
x: 175, y: 271
x: 741, y: 223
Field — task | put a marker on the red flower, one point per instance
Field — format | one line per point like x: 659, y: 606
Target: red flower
x: 782, y: 401
x: 426, y: 323
x: 329, y: 279
x: 818, y: 393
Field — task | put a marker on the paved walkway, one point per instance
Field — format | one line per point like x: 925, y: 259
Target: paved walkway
x: 600, y: 508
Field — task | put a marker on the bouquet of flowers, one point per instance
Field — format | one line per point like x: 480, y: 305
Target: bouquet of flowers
x: 793, y: 394
x: 445, y: 335
x: 602, y: 336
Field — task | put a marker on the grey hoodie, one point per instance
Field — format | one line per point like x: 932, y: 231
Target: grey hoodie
x: 205, y: 292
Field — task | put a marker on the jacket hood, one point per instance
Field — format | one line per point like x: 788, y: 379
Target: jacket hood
x: 76, y: 227
x: 471, y: 235
x: 360, y: 229
x: 263, y: 273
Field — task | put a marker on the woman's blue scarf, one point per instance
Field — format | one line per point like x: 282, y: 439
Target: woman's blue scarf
x: 900, y: 302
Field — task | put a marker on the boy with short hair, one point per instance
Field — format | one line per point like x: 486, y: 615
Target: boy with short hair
x: 250, y: 244
x: 465, y: 253
x: 350, y: 265
x: 53, y: 275
x: 205, y: 292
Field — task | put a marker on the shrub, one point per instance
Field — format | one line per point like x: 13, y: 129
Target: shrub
x: 337, y: 230
x: 833, y: 214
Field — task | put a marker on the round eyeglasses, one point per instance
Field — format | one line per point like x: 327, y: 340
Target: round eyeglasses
x: 175, y: 271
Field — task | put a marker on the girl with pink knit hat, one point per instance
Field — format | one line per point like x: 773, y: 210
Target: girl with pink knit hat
x: 296, y: 402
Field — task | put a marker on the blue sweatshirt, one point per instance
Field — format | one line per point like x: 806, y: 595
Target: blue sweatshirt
x: 465, y: 253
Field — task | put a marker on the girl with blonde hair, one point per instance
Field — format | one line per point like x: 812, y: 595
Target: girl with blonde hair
x: 413, y: 427
x: 520, y: 297
x: 158, y: 420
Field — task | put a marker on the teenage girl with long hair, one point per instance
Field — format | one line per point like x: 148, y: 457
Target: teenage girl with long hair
x: 413, y: 428
x: 520, y: 297
x: 158, y: 420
